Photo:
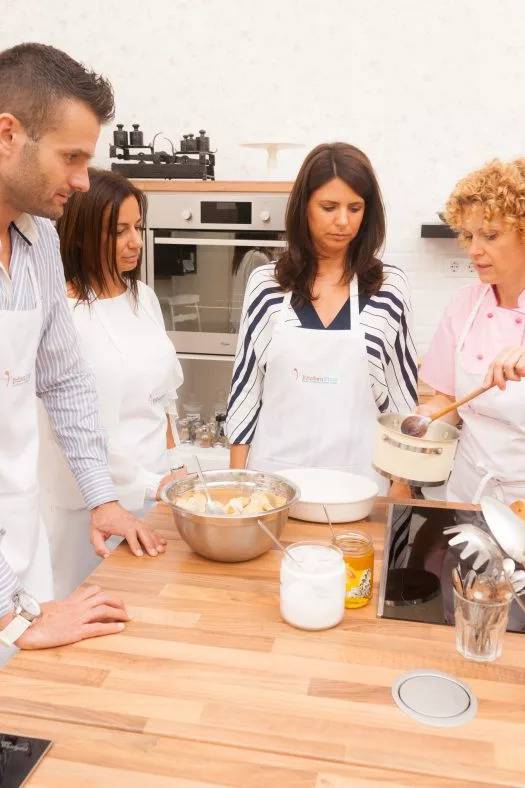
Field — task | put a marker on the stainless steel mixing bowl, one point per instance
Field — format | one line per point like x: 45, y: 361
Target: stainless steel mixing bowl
x: 226, y: 537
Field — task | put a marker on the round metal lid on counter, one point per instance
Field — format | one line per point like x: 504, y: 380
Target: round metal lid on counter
x: 434, y: 698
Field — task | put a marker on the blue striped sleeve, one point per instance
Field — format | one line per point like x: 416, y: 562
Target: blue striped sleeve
x: 262, y: 300
x: 67, y: 387
x: 401, y: 373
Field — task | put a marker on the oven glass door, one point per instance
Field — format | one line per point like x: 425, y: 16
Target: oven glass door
x: 200, y: 277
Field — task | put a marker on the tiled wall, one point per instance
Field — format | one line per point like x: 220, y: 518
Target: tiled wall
x: 432, y: 285
x: 428, y: 89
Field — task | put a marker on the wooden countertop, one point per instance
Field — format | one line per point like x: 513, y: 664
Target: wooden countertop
x: 157, y: 185
x: 208, y: 686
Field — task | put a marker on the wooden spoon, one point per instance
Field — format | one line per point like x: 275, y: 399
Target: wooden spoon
x: 417, y: 425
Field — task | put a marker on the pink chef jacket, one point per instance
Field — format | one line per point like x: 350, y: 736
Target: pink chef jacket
x: 494, y: 328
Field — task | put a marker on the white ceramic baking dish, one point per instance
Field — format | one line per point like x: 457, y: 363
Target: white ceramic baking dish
x: 347, y: 496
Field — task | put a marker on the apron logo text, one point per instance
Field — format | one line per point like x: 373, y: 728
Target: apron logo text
x: 155, y: 398
x: 323, y: 380
x: 10, y: 380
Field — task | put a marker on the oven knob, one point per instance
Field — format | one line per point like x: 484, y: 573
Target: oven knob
x: 186, y: 214
x: 265, y: 216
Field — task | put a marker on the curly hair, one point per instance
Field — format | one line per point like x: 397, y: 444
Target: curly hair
x: 498, y: 189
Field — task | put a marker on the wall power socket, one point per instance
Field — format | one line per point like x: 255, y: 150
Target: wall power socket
x: 460, y: 267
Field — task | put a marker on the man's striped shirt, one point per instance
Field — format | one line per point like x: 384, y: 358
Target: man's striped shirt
x: 63, y: 382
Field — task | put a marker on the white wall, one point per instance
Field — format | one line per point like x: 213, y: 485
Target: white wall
x: 428, y: 88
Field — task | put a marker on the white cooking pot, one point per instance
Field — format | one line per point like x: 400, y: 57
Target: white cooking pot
x: 420, y: 461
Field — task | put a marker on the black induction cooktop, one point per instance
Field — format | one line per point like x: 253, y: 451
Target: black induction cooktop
x: 415, y: 583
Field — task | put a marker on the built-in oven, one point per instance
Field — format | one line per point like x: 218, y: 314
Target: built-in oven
x: 201, y: 247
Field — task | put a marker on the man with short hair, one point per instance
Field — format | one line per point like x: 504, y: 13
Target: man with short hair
x: 51, y: 110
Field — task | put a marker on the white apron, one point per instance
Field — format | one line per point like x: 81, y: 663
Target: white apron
x: 318, y: 409
x: 24, y: 544
x: 490, y: 459
x: 134, y: 389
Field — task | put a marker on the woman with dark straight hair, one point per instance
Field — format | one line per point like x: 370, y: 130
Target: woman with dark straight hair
x: 324, y: 343
x: 90, y: 231
x: 137, y: 373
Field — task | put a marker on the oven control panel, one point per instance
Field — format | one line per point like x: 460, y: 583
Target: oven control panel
x: 217, y: 211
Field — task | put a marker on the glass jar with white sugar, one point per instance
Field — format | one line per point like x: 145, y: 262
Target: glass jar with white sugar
x: 313, y: 584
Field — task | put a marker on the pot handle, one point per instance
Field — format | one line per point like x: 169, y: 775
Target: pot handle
x: 408, y: 447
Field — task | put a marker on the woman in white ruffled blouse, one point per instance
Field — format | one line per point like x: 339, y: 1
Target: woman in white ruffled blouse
x: 137, y: 372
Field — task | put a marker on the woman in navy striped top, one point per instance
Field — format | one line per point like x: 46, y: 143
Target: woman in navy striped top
x: 324, y: 342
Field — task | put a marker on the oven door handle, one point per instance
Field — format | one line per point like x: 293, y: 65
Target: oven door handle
x: 219, y: 242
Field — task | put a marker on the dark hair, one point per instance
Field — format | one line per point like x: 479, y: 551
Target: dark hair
x: 35, y: 77
x: 297, y: 267
x: 80, y: 232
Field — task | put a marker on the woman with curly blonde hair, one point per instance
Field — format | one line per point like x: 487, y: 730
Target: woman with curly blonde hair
x: 481, y: 337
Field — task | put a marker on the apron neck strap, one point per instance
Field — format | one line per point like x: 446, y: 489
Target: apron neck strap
x: 472, y: 317
x: 284, y: 307
x: 354, y: 302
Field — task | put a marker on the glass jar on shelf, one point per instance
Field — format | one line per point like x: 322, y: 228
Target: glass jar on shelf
x: 220, y: 428
x: 193, y: 411
x: 203, y: 437
x: 183, y: 429
x: 194, y: 422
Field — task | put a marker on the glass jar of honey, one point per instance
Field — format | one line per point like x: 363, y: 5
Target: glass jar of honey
x: 358, y: 554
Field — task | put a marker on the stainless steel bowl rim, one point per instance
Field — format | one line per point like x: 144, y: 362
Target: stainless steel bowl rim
x: 164, y: 495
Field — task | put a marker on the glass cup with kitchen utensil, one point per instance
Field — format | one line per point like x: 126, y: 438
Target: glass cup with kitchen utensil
x: 480, y: 626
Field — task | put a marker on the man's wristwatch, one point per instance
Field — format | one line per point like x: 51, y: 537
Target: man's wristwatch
x: 27, y: 611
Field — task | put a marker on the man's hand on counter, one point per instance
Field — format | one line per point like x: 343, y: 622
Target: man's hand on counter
x: 111, y: 519
x: 87, y: 613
